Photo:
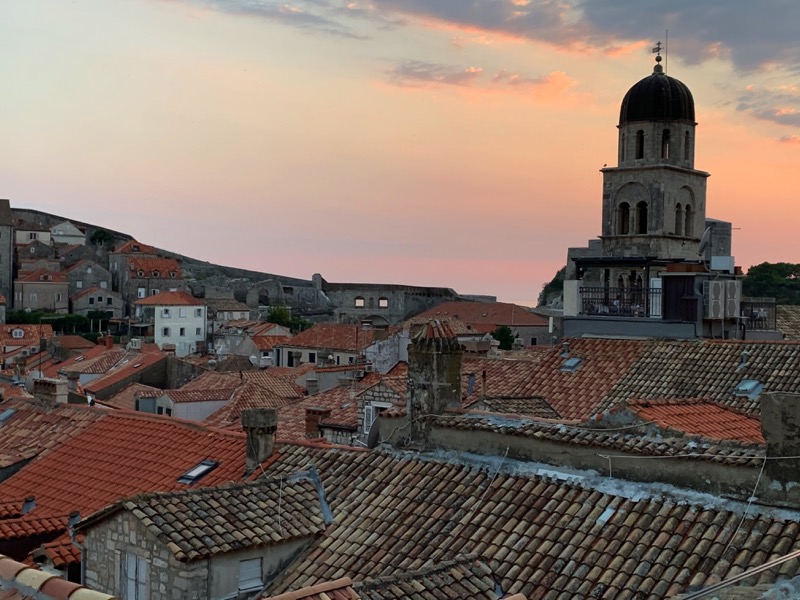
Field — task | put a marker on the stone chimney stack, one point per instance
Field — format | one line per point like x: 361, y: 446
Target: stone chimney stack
x: 780, y: 426
x: 314, y: 415
x: 259, y: 424
x: 50, y: 392
x: 434, y: 373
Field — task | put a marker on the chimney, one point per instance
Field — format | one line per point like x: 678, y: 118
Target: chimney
x: 259, y: 424
x: 50, y: 392
x: 108, y: 341
x: 73, y: 378
x: 315, y: 414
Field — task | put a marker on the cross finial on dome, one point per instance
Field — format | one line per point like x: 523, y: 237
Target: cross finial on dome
x: 657, y: 50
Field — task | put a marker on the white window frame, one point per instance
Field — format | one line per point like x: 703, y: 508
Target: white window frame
x: 182, y: 312
x: 141, y: 292
x: 165, y: 313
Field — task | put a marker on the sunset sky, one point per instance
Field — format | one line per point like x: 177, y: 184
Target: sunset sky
x: 432, y: 142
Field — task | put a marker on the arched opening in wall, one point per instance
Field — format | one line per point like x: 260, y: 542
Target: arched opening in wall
x: 622, y: 148
x: 686, y: 142
x: 359, y: 302
x: 623, y: 224
x: 640, y: 144
x: 678, y: 219
x: 665, y: 135
x: 641, y: 217
x: 688, y: 228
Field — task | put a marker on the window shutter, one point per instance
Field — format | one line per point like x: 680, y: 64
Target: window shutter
x: 250, y: 574
x: 369, y: 417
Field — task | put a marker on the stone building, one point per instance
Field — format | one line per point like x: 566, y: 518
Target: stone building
x: 6, y: 249
x: 658, y: 253
x: 85, y: 274
x: 42, y: 290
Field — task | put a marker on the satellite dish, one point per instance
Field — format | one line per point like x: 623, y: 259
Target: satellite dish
x: 705, y: 241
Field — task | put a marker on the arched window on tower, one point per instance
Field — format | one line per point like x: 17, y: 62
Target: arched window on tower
x: 686, y: 146
x: 640, y: 144
x: 688, y: 229
x: 678, y: 219
x: 641, y: 217
x: 622, y: 148
x: 624, y: 219
x: 665, y: 143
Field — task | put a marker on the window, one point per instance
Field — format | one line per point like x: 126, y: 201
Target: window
x: 169, y: 412
x: 32, y: 235
x: 182, y: 313
x: 198, y: 331
x: 33, y: 249
x: 571, y: 365
x: 678, y: 219
x: 89, y: 269
x: 250, y: 575
x: 153, y: 292
x: 165, y: 331
x: 359, y: 302
x: 369, y: 417
x: 140, y: 273
x: 140, y: 293
x: 182, y: 332
x: 641, y: 217
x: 623, y: 226
x: 688, y: 229
x: 160, y: 410
x: 665, y: 143
x: 103, y: 285
x: 165, y: 313
x: 198, y: 312
x: 640, y: 144
x: 109, y: 301
x: 17, y: 334
x: 99, y: 299
x: 173, y: 274
x: 79, y: 284
x: 312, y: 357
x: 383, y: 303
x: 200, y: 470
x: 34, y: 297
x: 136, y: 578
x: 91, y: 299
x: 58, y: 297
x: 622, y: 148
x: 156, y: 274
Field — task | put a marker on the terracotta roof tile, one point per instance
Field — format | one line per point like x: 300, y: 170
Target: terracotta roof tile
x: 171, y: 299
x: 131, y: 364
x: 134, y: 247
x: 73, y: 342
x: 43, y: 276
x: 31, y: 429
x: 394, y: 513
x: 333, y: 336
x: 788, y: 321
x: 161, y: 268
x: 491, y: 314
x: 201, y: 523
x: 126, y: 398
x: 31, y: 334
x: 17, y: 581
x: 700, y: 417
x: 244, y: 397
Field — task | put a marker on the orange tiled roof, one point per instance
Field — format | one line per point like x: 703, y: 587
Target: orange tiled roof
x: 171, y: 299
x: 126, y: 398
x: 84, y: 361
x: 268, y: 342
x: 93, y: 291
x: 213, y: 379
x: 149, y: 266
x: 502, y: 377
x: 277, y: 385
x: 700, y: 417
x: 245, y: 396
x: 30, y: 334
x: 333, y: 336
x: 120, y: 455
x: 63, y: 551
x: 44, y: 276
x: 32, y: 429
x: 340, y: 589
x: 73, y: 342
x: 493, y: 314
x: 128, y: 248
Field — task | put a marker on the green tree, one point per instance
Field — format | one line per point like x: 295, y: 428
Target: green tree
x: 773, y: 280
x: 282, y: 315
x: 505, y: 336
x: 101, y: 237
x: 553, y: 289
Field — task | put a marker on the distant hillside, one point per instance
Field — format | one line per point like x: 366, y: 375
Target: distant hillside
x: 192, y: 268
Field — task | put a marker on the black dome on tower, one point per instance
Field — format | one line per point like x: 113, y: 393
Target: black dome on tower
x: 657, y: 97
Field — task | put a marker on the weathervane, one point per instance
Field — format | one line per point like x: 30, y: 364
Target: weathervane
x: 657, y: 50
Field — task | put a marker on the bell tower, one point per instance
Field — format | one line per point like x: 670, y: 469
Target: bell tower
x: 654, y: 200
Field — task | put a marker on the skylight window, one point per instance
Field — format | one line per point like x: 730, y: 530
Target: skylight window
x: 571, y: 365
x: 748, y: 388
x: 196, y: 473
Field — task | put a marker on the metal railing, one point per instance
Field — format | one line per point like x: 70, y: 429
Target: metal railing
x: 759, y: 314
x: 620, y: 302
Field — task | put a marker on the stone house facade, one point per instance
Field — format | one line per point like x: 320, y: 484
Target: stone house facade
x: 86, y: 274
x: 67, y: 233
x: 94, y: 298
x: 6, y: 249
x: 42, y: 289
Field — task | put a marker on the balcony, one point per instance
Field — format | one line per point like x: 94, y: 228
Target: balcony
x: 759, y: 314
x: 620, y: 302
